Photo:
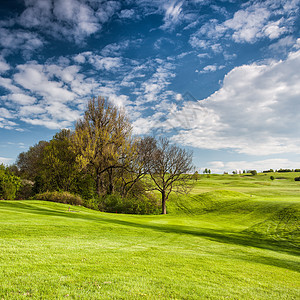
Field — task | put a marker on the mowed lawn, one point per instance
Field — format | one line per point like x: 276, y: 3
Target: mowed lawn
x: 233, y: 237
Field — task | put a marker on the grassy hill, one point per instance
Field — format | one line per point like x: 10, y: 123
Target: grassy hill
x: 233, y: 237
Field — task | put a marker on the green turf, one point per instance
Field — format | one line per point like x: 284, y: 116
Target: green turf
x: 233, y: 238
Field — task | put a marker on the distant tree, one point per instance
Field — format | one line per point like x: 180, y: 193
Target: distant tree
x: 167, y: 166
x: 272, y: 178
x: 195, y: 176
x: 253, y: 172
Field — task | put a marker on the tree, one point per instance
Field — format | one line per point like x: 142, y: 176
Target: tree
x: 9, y: 183
x: 100, y: 140
x: 31, y: 162
x: 60, y: 170
x: 167, y: 166
x: 196, y: 176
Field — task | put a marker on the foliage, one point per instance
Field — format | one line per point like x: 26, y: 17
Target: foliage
x: 100, y: 141
x: 272, y: 177
x: 253, y: 172
x: 284, y: 170
x: 26, y: 190
x: 30, y: 163
x: 60, y: 197
x: 297, y: 179
x: 59, y: 163
x: 9, y: 183
x: 142, y: 205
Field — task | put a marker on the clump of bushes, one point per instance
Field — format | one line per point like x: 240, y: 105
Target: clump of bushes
x: 297, y: 179
x: 60, y: 197
x: 142, y: 205
x: 9, y: 183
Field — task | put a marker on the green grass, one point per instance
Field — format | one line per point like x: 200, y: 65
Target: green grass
x: 233, y: 238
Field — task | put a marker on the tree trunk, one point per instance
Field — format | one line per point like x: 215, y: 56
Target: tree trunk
x: 163, y: 203
x: 98, y: 184
x: 110, y: 182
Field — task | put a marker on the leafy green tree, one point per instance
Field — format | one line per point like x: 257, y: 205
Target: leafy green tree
x: 60, y: 168
x: 30, y: 163
x: 9, y: 184
x: 100, y: 140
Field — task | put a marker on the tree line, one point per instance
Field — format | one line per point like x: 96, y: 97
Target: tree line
x: 103, y: 163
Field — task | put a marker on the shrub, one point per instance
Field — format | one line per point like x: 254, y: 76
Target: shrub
x: 253, y: 172
x: 9, y: 183
x: 272, y: 177
x: 142, y: 205
x: 297, y: 178
x: 284, y: 170
x: 60, y: 197
x: 26, y: 190
x: 92, y: 203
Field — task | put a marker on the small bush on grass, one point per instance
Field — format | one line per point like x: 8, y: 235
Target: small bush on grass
x: 60, y: 197
x: 297, y: 179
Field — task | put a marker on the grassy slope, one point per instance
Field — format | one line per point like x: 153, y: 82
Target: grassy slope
x: 233, y: 237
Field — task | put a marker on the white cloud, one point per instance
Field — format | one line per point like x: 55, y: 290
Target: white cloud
x: 20, y: 99
x: 4, y: 66
x: 255, y: 20
x: 172, y: 14
x: 5, y: 160
x: 20, y: 40
x: 259, y: 165
x: 254, y: 112
x: 126, y: 13
x: 69, y: 19
x: 210, y: 68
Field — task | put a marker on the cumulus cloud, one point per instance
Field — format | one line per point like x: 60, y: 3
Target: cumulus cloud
x: 69, y: 19
x: 255, y: 20
x: 254, y: 112
x: 14, y: 40
x: 4, y: 66
x: 259, y: 165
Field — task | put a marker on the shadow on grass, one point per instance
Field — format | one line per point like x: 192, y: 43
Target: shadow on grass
x: 220, y: 236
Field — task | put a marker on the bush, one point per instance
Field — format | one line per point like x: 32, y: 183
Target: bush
x: 284, y: 170
x: 26, y: 190
x: 9, y: 183
x: 253, y: 172
x: 60, y: 197
x: 272, y: 177
x: 92, y: 203
x: 142, y: 205
x: 297, y: 178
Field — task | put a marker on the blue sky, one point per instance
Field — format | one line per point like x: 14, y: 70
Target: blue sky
x: 219, y: 77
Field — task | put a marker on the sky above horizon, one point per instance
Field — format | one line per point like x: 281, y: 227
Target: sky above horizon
x: 220, y: 78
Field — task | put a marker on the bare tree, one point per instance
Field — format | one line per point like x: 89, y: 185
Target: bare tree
x: 168, y: 166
